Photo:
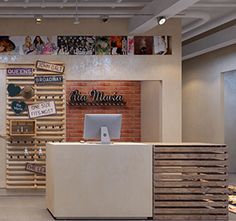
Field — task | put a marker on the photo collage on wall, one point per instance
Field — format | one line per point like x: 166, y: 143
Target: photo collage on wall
x: 28, y: 45
x: 85, y: 45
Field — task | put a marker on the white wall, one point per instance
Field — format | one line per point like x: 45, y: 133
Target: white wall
x: 162, y: 68
x: 2, y: 127
x: 151, y: 105
x: 230, y: 116
x: 203, y: 95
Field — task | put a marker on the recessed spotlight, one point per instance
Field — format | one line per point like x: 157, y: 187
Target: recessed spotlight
x: 161, y: 20
x: 38, y: 19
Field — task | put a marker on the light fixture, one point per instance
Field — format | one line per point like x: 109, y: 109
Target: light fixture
x: 38, y: 19
x: 115, y: 4
x: 43, y: 4
x: 63, y: 3
x: 161, y: 20
x: 105, y: 18
x: 25, y: 3
x: 76, y: 21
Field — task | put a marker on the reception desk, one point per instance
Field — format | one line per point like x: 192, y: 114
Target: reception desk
x: 86, y: 180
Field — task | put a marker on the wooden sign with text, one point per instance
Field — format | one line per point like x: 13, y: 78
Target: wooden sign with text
x: 49, y: 79
x: 19, y: 71
x: 46, y: 66
x: 35, y: 168
x: 42, y: 109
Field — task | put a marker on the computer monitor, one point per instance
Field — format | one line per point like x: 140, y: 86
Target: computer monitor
x: 102, y: 126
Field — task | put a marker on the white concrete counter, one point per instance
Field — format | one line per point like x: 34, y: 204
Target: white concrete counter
x: 86, y: 180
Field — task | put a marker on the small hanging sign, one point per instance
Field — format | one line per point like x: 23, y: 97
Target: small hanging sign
x: 46, y: 66
x: 42, y: 109
x: 13, y: 90
x: 18, y: 106
x: 48, y: 79
x: 35, y: 168
x: 19, y: 71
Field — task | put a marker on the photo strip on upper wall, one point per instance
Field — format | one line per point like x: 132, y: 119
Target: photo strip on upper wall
x: 85, y: 45
x: 28, y: 45
x: 118, y: 45
x: 76, y: 45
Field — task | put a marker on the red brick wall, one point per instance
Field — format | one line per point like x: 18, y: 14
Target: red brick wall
x: 131, y: 112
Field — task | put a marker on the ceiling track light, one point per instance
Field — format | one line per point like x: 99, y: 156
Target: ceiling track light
x: 76, y: 21
x: 43, y: 4
x: 38, y: 19
x: 161, y: 20
x: 63, y: 3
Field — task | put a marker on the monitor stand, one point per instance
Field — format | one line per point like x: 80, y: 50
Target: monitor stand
x: 105, y: 138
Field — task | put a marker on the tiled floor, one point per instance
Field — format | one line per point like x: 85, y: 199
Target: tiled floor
x: 32, y: 208
x: 24, y: 208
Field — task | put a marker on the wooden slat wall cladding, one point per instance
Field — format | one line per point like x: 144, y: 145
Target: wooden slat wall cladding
x: 48, y: 129
x: 190, y: 182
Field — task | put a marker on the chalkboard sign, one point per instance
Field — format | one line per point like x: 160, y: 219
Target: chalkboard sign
x: 48, y: 79
x: 42, y: 109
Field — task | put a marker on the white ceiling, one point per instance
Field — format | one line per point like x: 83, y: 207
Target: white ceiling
x: 198, y: 16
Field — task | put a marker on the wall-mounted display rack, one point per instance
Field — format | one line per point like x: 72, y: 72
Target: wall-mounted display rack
x: 31, y: 148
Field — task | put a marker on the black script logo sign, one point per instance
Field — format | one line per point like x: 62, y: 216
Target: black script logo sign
x: 95, y: 98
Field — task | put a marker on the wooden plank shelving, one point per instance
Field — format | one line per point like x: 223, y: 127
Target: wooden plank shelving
x: 48, y: 128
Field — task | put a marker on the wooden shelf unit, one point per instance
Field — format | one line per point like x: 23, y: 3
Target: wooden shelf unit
x: 23, y: 128
x: 48, y: 128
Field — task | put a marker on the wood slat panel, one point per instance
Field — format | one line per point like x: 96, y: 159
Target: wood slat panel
x: 50, y: 128
x: 192, y: 217
x: 190, y: 182
x: 193, y: 197
x: 192, y: 150
x: 190, y: 169
x: 183, y: 183
x: 189, y: 156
